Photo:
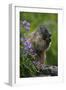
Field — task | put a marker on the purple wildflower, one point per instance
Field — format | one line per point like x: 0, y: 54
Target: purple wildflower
x: 26, y: 25
x: 27, y: 44
x: 28, y: 47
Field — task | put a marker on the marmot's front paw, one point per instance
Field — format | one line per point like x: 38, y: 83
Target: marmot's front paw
x: 40, y: 66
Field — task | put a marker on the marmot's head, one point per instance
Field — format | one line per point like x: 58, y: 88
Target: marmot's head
x: 41, y: 39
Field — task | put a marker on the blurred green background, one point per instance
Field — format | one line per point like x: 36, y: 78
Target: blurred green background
x: 50, y: 20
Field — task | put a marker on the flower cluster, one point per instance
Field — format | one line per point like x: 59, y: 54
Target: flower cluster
x: 26, y: 25
x: 28, y: 47
x: 25, y: 42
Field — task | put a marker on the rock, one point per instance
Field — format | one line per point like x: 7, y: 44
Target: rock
x: 49, y: 71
